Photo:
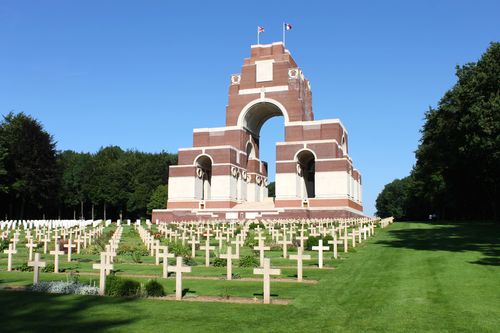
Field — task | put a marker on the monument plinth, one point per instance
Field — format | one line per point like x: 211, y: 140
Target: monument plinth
x: 221, y: 176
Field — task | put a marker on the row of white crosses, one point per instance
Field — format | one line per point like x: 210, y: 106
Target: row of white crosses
x: 37, y: 263
x: 162, y: 252
x: 107, y: 257
x: 282, y: 232
x: 43, y: 232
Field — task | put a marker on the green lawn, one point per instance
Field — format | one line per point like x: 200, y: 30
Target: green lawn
x: 409, y: 277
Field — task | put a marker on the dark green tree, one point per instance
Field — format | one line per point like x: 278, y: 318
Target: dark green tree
x: 393, y: 200
x: 3, y: 172
x: 271, y: 188
x: 76, y: 178
x: 459, y: 155
x: 158, y: 198
x: 32, y: 175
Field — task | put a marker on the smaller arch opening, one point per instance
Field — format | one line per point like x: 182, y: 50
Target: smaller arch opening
x: 307, y: 166
x: 344, y: 146
x: 203, y: 183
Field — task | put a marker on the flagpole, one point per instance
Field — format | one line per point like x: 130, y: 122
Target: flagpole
x: 258, y: 36
x: 283, y: 26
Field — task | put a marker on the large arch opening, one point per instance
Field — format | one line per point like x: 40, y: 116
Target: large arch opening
x: 264, y: 119
x: 257, y: 114
x: 203, y: 182
x: 306, y: 167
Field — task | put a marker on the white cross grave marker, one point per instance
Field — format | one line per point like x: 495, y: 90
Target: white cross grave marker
x: 320, y: 249
x: 299, y: 257
x: 178, y: 269
x: 266, y: 271
x: 103, y: 266
x: 36, y: 264
x: 10, y: 252
x: 229, y: 256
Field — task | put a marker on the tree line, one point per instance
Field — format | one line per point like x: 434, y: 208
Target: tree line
x: 38, y: 181
x: 457, y: 170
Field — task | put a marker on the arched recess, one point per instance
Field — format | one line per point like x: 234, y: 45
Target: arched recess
x: 257, y: 112
x: 203, y: 183
x: 306, y: 169
x: 344, y: 145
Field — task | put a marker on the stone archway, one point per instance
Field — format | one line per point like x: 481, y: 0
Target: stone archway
x: 306, y: 170
x: 228, y: 159
x: 203, y: 184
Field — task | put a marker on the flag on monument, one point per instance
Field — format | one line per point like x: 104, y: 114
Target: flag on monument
x: 288, y: 26
x: 260, y: 29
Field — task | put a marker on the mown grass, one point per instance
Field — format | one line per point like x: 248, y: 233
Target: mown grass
x: 411, y: 277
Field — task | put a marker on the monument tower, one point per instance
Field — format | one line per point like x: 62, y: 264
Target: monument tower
x: 222, y: 176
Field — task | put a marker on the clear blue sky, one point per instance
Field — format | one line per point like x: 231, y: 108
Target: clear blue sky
x: 143, y: 74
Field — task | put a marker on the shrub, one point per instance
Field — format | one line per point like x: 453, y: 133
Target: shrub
x: 250, y: 241
x: 24, y: 268
x: 117, y: 286
x: 254, y: 225
x: 60, y: 287
x: 249, y: 261
x: 189, y: 261
x: 126, y: 249
x: 154, y: 289
x: 313, y: 241
x: 179, y: 250
x: 137, y: 257
x: 49, y: 268
x: 218, y: 262
x: 4, y: 244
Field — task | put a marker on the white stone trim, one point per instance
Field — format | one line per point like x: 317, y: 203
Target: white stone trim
x: 265, y: 45
x: 305, y: 142
x: 318, y: 122
x: 216, y: 129
x: 263, y: 89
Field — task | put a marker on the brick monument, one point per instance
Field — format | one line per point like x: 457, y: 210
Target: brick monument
x: 221, y: 176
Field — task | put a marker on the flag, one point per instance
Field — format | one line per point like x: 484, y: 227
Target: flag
x: 260, y: 29
x: 288, y: 26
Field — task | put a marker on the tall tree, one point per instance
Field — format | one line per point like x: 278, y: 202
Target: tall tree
x: 393, y: 200
x: 32, y: 170
x: 459, y: 155
x: 158, y: 198
x: 456, y: 175
x: 3, y: 172
x: 76, y: 176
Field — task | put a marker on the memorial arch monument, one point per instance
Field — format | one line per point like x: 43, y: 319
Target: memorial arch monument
x: 222, y: 176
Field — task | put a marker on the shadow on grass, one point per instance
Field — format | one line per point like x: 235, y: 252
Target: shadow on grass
x: 483, y: 237
x: 39, y: 312
x: 186, y: 291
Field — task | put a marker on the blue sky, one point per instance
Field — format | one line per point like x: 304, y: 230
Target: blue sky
x: 143, y: 74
